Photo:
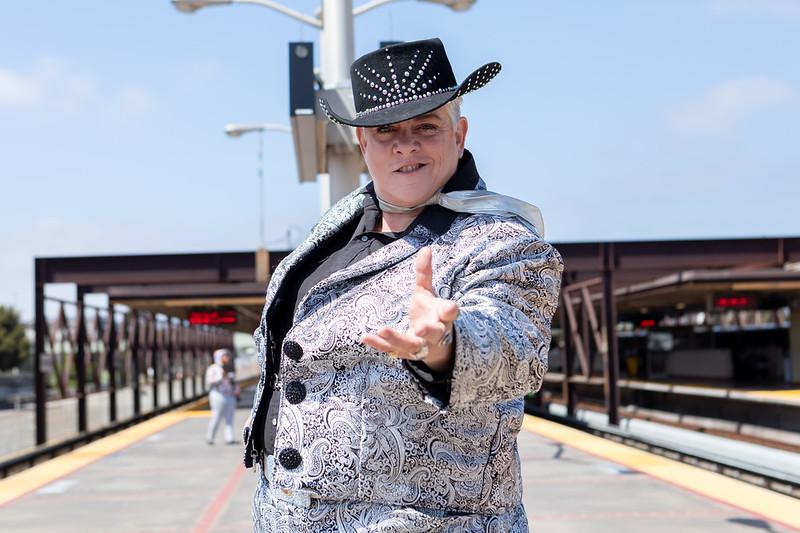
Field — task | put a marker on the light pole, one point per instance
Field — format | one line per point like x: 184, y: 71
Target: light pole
x: 336, y: 54
x: 237, y: 130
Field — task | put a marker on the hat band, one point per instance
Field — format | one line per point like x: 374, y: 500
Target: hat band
x: 404, y: 100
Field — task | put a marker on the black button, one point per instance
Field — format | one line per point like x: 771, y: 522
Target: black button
x: 290, y: 458
x: 295, y: 392
x: 292, y: 350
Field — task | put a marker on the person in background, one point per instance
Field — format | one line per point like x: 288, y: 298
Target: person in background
x: 222, y: 394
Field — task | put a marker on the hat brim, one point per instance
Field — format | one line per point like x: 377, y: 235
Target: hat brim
x: 413, y: 108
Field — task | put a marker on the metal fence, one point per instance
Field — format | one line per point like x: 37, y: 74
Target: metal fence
x: 96, y: 366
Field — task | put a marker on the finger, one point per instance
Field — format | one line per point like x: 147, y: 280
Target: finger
x: 448, y: 311
x: 402, y: 342
x: 424, y: 270
x: 431, y: 332
x: 373, y: 341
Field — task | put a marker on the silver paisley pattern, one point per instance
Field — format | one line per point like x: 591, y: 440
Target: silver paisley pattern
x: 377, y: 453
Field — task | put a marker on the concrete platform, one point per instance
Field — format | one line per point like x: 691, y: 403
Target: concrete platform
x: 161, y: 477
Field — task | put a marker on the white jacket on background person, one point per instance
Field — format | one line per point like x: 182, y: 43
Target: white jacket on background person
x: 222, y: 395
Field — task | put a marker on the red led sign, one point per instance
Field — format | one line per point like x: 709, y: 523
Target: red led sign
x: 647, y: 323
x: 212, y: 318
x: 734, y: 302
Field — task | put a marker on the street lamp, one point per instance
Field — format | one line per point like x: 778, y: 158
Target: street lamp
x: 335, y: 22
x: 237, y: 130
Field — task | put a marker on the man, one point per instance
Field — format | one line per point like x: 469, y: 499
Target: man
x: 399, y: 339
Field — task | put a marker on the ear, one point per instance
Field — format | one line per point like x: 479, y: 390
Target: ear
x: 362, y: 140
x: 461, y: 134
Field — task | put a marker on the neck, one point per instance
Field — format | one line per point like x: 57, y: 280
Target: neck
x: 395, y: 222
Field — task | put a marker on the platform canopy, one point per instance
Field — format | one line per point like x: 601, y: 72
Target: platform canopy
x: 222, y: 289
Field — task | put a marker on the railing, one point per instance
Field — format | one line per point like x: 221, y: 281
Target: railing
x: 99, y: 366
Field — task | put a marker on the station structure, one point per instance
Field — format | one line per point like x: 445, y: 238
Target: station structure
x: 648, y: 325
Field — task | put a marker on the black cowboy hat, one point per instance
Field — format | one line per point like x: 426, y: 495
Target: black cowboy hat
x: 404, y: 81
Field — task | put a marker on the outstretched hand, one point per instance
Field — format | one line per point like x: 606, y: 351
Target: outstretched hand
x: 430, y: 320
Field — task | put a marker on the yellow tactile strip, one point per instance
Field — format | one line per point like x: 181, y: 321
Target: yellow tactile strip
x: 788, y: 394
x: 765, y: 503
x: 45, y: 473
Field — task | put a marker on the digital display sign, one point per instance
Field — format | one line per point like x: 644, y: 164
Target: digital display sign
x: 734, y: 302
x: 213, y: 317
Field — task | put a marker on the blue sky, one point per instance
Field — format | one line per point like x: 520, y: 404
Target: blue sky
x: 620, y: 119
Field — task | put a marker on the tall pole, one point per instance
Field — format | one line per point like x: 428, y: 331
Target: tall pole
x: 262, y: 240
x: 337, y: 53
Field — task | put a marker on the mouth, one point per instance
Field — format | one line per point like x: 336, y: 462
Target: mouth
x: 410, y: 168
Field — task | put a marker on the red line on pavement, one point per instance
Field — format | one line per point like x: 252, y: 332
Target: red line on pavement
x: 214, y: 510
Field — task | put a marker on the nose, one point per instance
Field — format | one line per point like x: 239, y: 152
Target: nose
x: 405, y: 143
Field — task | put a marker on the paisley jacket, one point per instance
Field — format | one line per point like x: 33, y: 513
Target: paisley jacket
x: 355, y: 425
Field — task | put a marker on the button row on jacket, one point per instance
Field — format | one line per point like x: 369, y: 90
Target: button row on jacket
x: 290, y: 458
x: 292, y: 350
x: 295, y: 392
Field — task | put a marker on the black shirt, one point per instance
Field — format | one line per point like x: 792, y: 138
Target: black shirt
x: 349, y: 245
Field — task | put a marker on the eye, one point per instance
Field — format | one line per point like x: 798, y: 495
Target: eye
x: 427, y: 127
x: 384, y: 129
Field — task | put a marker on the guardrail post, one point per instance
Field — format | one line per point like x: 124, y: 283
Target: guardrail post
x: 567, y: 386
x: 137, y: 400
x: 170, y: 393
x: 155, y: 354
x: 111, y: 364
x: 80, y: 361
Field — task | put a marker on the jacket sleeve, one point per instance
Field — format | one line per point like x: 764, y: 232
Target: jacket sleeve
x: 507, y: 295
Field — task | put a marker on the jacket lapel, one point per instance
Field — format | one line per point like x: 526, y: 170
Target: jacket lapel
x: 384, y: 258
x: 340, y: 214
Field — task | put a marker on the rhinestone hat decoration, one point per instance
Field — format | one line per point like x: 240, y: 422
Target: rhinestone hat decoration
x: 403, y: 81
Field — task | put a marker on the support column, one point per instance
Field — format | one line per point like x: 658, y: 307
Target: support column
x: 80, y: 362
x: 135, y: 359
x: 568, y: 359
x: 111, y: 364
x: 337, y: 51
x: 170, y: 353
x: 610, y: 353
x: 154, y: 340
x: 793, y: 366
x: 343, y: 177
x: 39, y: 367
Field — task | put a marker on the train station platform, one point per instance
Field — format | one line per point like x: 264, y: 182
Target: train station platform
x: 160, y: 476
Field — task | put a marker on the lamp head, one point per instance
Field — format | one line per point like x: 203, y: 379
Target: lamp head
x: 190, y: 6
x: 455, y: 5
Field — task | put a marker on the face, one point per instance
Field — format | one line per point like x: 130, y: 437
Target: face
x: 411, y: 160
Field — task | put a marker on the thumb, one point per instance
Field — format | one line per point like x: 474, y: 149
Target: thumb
x: 424, y: 269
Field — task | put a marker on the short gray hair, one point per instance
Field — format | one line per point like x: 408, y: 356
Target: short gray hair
x: 454, y: 109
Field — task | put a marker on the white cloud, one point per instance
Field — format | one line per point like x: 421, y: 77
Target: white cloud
x: 779, y: 8
x: 17, y: 89
x: 132, y: 103
x: 724, y: 105
x: 54, y: 87
x: 51, y: 85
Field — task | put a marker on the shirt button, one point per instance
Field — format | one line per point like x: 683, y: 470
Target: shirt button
x: 364, y: 238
